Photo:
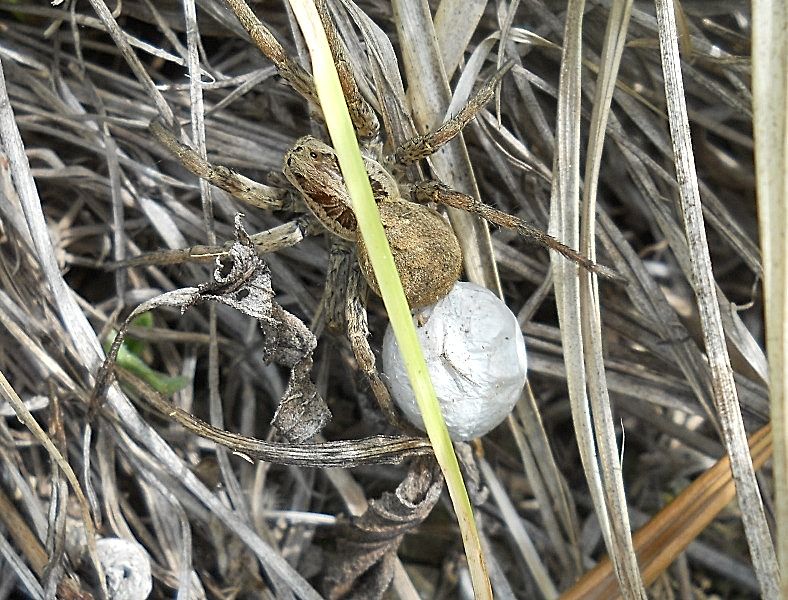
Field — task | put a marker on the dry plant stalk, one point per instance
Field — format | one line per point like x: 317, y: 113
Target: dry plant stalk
x: 660, y: 541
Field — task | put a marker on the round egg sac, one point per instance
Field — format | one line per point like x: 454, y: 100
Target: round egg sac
x: 476, y: 358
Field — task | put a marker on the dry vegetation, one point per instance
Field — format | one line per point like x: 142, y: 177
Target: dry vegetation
x: 232, y: 528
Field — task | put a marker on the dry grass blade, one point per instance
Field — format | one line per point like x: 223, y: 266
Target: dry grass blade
x: 12, y: 146
x: 21, y: 571
x: 550, y: 490
x: 455, y: 23
x: 131, y: 58
x: 770, y: 99
x: 578, y: 302
x: 528, y: 551
x: 590, y: 317
x: 725, y: 395
x: 34, y: 556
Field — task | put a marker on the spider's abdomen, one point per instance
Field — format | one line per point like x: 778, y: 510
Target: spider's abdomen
x: 425, y: 249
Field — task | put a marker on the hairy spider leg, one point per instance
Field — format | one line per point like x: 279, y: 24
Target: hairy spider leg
x: 288, y: 69
x: 235, y: 184
x: 244, y: 189
x: 357, y: 327
x: 423, y: 146
x: 364, y: 119
x: 271, y: 240
x: 435, y: 191
x: 331, y: 313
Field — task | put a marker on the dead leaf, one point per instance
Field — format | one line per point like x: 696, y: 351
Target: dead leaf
x: 242, y: 281
x: 363, y: 566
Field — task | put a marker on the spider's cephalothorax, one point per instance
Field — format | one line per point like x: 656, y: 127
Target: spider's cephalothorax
x: 425, y: 249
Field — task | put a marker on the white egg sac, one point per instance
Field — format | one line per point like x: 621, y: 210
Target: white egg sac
x: 476, y: 358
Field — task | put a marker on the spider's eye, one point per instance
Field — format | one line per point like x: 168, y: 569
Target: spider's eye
x: 313, y: 154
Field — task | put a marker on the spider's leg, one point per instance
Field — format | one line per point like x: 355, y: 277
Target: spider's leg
x: 271, y: 240
x: 434, y: 191
x: 235, y: 184
x: 291, y: 71
x: 364, y: 118
x: 423, y: 146
x: 358, y: 332
x: 332, y: 304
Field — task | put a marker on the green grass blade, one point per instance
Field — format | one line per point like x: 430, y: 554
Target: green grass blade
x: 344, y: 141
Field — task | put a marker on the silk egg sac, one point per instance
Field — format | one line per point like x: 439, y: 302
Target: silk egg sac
x: 476, y: 358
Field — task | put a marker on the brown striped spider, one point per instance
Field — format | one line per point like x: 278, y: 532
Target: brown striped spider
x: 425, y: 248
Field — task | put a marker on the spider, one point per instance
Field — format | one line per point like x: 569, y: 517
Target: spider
x: 425, y: 248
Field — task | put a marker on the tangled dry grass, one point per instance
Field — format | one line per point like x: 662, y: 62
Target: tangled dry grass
x: 98, y: 188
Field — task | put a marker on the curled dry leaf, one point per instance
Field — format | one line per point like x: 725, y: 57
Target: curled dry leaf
x: 363, y: 565
x: 242, y: 281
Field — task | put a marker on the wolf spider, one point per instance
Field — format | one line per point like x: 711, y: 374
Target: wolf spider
x: 425, y: 248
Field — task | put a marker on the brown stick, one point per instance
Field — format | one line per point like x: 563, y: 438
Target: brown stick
x: 669, y: 532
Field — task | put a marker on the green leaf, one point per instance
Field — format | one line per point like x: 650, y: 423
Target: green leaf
x: 129, y: 358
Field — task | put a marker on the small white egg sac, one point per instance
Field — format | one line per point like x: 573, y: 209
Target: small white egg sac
x: 126, y: 568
